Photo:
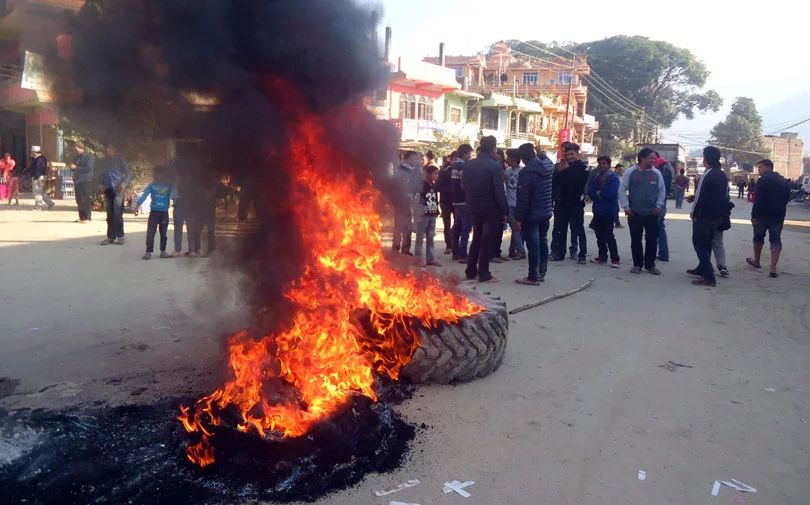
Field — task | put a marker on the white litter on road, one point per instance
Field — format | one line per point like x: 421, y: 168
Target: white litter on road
x: 401, y: 503
x: 733, y: 484
x: 642, y: 475
x: 404, y: 485
x: 716, y: 488
x: 458, y: 487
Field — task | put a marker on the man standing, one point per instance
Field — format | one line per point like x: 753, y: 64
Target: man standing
x: 39, y: 173
x: 667, y: 173
x: 115, y: 178
x: 740, y: 188
x: 570, y: 179
x: 533, y: 210
x: 462, y: 221
x: 445, y: 189
x: 710, y: 205
x: 408, y: 175
x: 516, y: 250
x: 82, y: 179
x: 603, y: 190
x: 619, y: 170
x: 486, y: 203
x: 681, y: 187
x: 768, y: 213
x: 642, y: 206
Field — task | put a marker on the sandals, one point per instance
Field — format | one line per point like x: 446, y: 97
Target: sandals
x: 751, y: 262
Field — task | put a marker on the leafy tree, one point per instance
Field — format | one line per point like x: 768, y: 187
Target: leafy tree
x: 740, y: 131
x: 446, y: 143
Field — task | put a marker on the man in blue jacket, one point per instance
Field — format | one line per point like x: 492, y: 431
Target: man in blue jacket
x: 462, y: 221
x: 484, y: 196
x: 533, y: 210
x: 603, y: 190
x: 115, y: 177
x: 82, y: 181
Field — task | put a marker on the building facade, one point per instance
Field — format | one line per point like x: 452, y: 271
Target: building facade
x: 787, y: 153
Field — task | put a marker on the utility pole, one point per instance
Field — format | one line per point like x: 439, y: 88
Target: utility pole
x: 570, y: 86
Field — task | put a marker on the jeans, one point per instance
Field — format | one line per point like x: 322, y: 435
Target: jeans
x: 203, y: 218
x: 647, y: 226
x: 575, y: 216
x: 485, y: 231
x: 425, y: 231
x: 447, y: 221
x: 179, y: 219
x: 158, y: 219
x: 605, y: 239
x: 773, y: 226
x: 719, y: 250
x: 704, y: 230
x: 114, y: 201
x: 462, y: 226
x: 679, y: 192
x: 536, y: 233
x: 740, y: 191
x: 40, y: 195
x: 663, y: 243
x: 83, y: 200
x: 403, y: 227
x: 516, y: 242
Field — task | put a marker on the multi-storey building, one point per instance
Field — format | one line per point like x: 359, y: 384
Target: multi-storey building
x: 787, y: 152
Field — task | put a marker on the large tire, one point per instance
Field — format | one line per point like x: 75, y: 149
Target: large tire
x: 461, y: 352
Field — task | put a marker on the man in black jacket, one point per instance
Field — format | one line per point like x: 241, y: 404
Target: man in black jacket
x: 39, y: 179
x: 445, y: 188
x: 569, y: 181
x: 768, y: 213
x: 533, y: 210
x: 710, y: 205
x: 462, y: 222
x: 486, y: 203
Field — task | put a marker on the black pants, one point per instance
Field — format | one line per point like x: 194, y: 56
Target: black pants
x: 447, y: 218
x: 203, y: 219
x: 643, y: 256
x: 83, y: 200
x: 496, y: 247
x: 703, y: 232
x: 158, y: 219
x: 485, y: 232
x: 115, y: 213
x: 572, y: 215
x: 605, y: 240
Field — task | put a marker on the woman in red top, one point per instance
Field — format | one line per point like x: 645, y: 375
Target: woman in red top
x: 9, y: 182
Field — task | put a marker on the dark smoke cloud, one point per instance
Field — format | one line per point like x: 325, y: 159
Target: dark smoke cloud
x: 130, y: 66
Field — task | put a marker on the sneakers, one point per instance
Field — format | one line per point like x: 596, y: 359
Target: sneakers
x: 665, y: 260
x: 106, y: 241
x: 654, y: 271
x: 599, y: 260
x: 582, y: 261
x: 704, y: 282
x: 723, y: 271
x: 693, y: 271
x: 554, y: 258
x: 527, y: 282
x: 433, y: 264
x: 635, y: 270
x: 164, y: 254
x: 147, y: 256
x: 491, y: 280
x: 619, y: 226
x: 518, y: 257
x: 448, y: 251
x: 496, y: 259
x: 615, y: 264
x: 119, y: 241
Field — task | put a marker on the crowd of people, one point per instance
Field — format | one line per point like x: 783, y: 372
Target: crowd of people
x: 523, y: 190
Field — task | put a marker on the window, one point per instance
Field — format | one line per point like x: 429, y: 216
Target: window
x: 455, y: 115
x: 530, y: 78
x: 519, y: 126
x: 407, y: 107
x: 459, y: 72
x: 489, y: 119
x: 425, y: 109
x: 565, y: 78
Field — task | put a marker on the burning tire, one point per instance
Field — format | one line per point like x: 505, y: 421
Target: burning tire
x: 461, y: 352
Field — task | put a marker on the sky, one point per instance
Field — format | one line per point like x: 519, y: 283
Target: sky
x: 758, y: 52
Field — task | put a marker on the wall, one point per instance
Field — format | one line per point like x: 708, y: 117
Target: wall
x: 787, y: 155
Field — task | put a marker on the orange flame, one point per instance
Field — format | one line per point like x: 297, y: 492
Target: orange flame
x: 326, y: 355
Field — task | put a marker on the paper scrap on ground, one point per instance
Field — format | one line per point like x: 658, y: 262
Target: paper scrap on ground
x: 458, y: 487
x: 716, y: 488
x: 733, y: 484
x: 404, y: 485
x: 642, y: 475
x: 401, y: 503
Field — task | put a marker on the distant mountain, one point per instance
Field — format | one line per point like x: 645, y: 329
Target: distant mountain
x: 783, y: 114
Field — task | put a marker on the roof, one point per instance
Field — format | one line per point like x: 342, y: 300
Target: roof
x: 499, y: 100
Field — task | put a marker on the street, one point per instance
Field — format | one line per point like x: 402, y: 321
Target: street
x: 585, y: 397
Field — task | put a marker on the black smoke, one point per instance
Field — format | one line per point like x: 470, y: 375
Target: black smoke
x: 134, y: 70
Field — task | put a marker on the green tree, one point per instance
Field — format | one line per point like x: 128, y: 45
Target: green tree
x: 740, y: 134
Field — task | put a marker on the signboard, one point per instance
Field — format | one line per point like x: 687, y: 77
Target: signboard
x: 33, y: 76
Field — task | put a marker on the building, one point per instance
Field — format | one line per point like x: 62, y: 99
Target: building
x: 552, y: 83
x: 806, y: 164
x: 787, y: 153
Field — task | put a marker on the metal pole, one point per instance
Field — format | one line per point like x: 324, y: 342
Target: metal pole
x: 570, y: 87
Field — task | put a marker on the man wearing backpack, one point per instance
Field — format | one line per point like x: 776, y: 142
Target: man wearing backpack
x: 768, y: 213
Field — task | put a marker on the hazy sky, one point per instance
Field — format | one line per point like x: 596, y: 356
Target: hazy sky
x: 759, y: 52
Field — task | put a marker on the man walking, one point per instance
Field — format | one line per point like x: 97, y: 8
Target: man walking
x: 82, y: 181
x: 408, y: 175
x: 681, y: 187
x: 533, y: 210
x: 710, y: 205
x: 603, y: 190
x: 516, y: 250
x: 462, y: 221
x: 445, y: 188
x: 116, y: 176
x: 667, y: 173
x: 570, y: 179
x: 768, y: 213
x: 642, y: 205
x: 39, y: 173
x: 486, y: 203
x: 740, y: 188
